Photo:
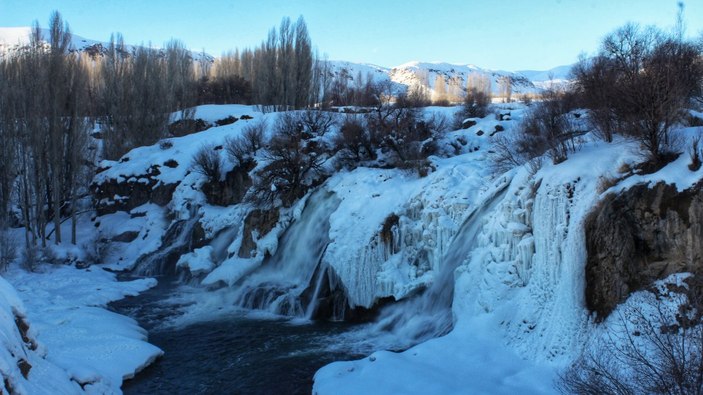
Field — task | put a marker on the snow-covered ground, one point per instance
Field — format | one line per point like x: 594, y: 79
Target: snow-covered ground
x: 469, y: 360
x: 81, y: 345
x: 77, y: 345
x: 67, y: 306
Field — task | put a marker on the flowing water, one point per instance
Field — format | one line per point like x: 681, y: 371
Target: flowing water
x: 233, y: 353
x: 280, y: 283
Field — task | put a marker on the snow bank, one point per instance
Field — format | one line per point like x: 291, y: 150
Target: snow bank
x: 453, y: 364
x: 91, y: 345
x: 23, y: 363
x: 138, y: 161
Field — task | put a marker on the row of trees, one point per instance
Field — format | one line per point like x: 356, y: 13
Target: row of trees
x: 44, y: 129
x: 280, y: 72
x: 345, y: 89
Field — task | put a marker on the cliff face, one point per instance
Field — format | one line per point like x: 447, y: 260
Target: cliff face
x: 640, y: 235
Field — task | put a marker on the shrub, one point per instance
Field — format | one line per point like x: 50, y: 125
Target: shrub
x: 226, y: 121
x: 655, y: 349
x: 184, y: 127
x: 353, y: 143
x: 295, y: 163
x: 547, y: 129
x: 640, y: 83
x: 476, y: 103
x: 242, y: 148
x: 316, y: 122
x: 165, y: 144
x: 404, y: 133
x: 207, y: 162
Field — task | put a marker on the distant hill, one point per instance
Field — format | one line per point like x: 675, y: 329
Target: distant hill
x: 455, y: 76
x: 16, y: 39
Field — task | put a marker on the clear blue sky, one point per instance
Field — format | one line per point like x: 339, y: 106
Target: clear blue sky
x: 496, y: 34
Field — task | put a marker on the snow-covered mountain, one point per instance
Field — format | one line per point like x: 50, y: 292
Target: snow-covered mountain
x: 16, y: 39
x: 454, y: 77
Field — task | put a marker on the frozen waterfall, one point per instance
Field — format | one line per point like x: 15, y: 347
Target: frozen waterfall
x: 430, y: 315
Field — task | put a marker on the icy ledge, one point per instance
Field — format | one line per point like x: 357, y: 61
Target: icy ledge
x: 66, y: 310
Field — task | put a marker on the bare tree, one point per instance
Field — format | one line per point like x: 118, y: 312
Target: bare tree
x: 640, y: 84
x: 656, y: 348
x: 353, y: 143
x: 207, y: 162
x: 242, y: 148
x: 294, y: 164
x: 476, y: 104
x: 317, y: 122
x: 441, y: 97
x: 548, y: 129
x: 505, y: 84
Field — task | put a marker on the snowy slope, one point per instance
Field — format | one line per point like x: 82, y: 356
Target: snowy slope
x: 456, y: 76
x: 18, y: 349
x: 96, y: 347
x: 556, y: 73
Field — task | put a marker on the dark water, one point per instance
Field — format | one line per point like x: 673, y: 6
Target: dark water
x: 233, y: 354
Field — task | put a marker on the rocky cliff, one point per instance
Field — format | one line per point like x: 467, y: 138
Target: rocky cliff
x: 640, y: 235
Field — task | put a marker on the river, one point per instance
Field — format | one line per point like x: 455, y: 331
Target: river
x: 230, y: 353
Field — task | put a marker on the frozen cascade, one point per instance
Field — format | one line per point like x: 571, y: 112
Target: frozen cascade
x: 279, y: 284
x: 430, y: 315
x: 176, y: 242
x: 401, y: 259
x: 527, y: 270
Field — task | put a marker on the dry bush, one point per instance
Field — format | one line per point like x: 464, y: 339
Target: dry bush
x: 207, y: 162
x: 547, y: 129
x: 476, y: 104
x: 317, y: 122
x: 605, y: 183
x: 640, y: 84
x: 354, y: 144
x: 656, y: 349
x: 242, y: 148
x: 294, y: 164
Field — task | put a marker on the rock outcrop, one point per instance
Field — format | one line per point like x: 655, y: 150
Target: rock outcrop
x: 256, y: 224
x: 638, y: 236
x: 232, y: 189
x: 126, y: 193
